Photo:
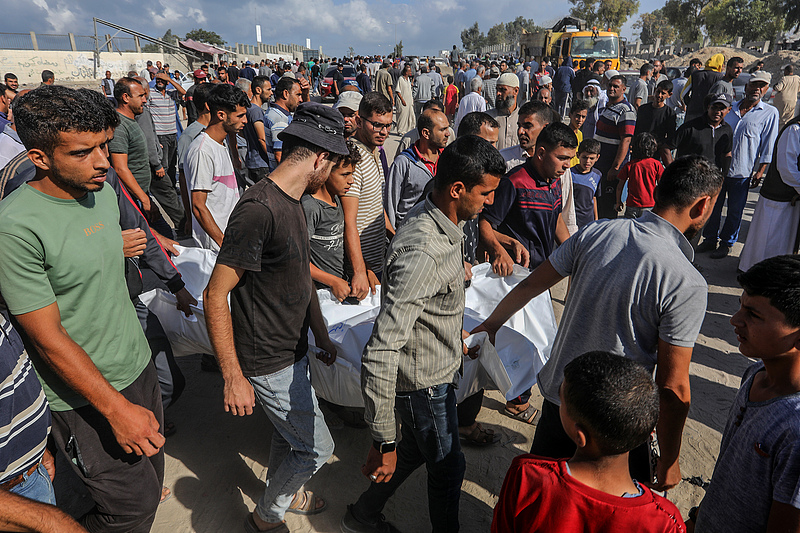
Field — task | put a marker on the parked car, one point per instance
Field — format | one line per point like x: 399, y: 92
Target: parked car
x: 326, y: 85
x: 673, y: 72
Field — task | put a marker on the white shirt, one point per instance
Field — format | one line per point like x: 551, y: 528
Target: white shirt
x: 470, y: 103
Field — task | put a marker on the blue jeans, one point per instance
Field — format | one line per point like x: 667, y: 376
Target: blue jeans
x: 429, y: 427
x: 37, y: 486
x: 736, y: 190
x: 301, y: 442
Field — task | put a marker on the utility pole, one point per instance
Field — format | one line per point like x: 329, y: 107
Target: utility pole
x: 395, y: 30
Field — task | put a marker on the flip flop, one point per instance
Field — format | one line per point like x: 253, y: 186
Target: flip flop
x: 166, y: 495
x: 530, y: 415
x: 479, y: 437
x: 308, y: 506
x: 251, y: 527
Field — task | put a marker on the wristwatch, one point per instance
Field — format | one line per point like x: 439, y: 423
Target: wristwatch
x: 385, y: 446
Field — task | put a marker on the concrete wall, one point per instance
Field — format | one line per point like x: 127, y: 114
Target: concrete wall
x: 78, y: 66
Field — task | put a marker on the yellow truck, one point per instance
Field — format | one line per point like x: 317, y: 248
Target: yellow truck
x: 571, y: 37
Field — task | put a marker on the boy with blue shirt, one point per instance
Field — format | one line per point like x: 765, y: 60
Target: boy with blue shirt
x: 585, y: 182
x: 756, y: 481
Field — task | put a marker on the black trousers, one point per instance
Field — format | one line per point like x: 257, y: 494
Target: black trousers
x: 126, y: 488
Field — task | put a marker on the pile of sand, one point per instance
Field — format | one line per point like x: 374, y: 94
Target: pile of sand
x: 704, y: 54
x: 774, y: 63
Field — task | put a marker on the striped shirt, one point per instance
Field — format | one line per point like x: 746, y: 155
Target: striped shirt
x: 615, y: 122
x: 416, y: 340
x: 368, y: 188
x: 24, y: 412
x: 162, y: 107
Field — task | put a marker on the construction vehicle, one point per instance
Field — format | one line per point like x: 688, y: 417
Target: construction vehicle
x: 571, y: 38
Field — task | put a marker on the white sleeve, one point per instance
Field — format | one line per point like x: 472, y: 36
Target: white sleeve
x: 199, y: 170
x: 789, y: 157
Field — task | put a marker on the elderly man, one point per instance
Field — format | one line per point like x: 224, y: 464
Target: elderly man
x: 472, y: 101
x: 505, y: 111
x: 755, y: 128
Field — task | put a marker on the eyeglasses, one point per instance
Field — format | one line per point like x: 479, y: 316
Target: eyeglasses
x: 377, y: 126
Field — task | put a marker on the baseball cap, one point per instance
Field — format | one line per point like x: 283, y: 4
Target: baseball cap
x: 318, y: 124
x: 248, y: 62
x: 199, y: 74
x: 721, y: 99
x: 349, y: 99
x: 508, y: 79
x: 610, y: 73
x: 761, y: 75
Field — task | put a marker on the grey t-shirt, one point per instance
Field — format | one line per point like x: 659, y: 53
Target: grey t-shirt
x: 129, y: 139
x: 633, y: 283
x: 638, y: 90
x: 758, y: 463
x: 326, y: 232
x: 723, y: 87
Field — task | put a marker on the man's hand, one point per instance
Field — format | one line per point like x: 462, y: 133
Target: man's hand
x: 161, y: 172
x: 163, y: 76
x: 340, y: 289
x: 185, y: 301
x: 327, y: 351
x: 667, y: 476
x: 502, y: 264
x: 134, y: 241
x: 755, y: 179
x: 482, y: 327
x: 239, y: 396
x: 49, y: 463
x: 169, y: 245
x: 379, y: 465
x: 373, y: 281
x: 467, y: 271
x: 619, y: 207
x: 359, y: 285
x: 147, y: 208
x: 136, y: 430
x: 612, y: 174
x: 522, y: 256
x: 472, y: 353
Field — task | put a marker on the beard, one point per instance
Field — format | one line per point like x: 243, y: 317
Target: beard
x: 592, y: 101
x: 318, y: 178
x: 73, y: 183
x: 692, y: 231
x: 504, y: 104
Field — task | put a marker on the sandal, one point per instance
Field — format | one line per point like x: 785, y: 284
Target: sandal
x: 479, y: 437
x: 251, y: 527
x: 530, y: 415
x: 166, y: 494
x: 308, y: 504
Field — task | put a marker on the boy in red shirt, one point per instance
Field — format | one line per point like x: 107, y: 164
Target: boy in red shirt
x: 609, y: 406
x: 642, y: 173
x: 450, y: 99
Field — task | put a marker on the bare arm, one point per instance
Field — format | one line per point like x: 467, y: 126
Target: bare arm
x: 239, y: 397
x: 352, y: 243
x: 18, y: 513
x: 204, y: 216
x: 262, y: 137
x: 672, y: 378
x: 134, y: 427
x: 622, y: 151
x: 500, y: 248
x: 541, y: 279
x: 666, y: 154
x: 339, y: 287
x: 317, y: 325
x: 562, y: 233
x: 783, y: 518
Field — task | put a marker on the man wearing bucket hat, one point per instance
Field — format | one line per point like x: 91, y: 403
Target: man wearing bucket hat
x: 261, y: 342
x: 506, y: 111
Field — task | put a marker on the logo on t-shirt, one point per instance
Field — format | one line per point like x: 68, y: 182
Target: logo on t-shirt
x: 93, y: 229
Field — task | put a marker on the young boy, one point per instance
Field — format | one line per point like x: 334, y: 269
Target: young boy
x: 642, y: 173
x: 756, y: 482
x: 609, y: 406
x: 585, y: 182
x: 577, y: 116
x: 450, y: 99
x: 325, y: 220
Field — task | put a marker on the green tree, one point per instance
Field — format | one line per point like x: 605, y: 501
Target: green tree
x: 688, y: 17
x: 654, y: 25
x: 472, y: 38
x: 203, y: 36
x: 152, y: 48
x: 753, y: 20
x: 496, y: 35
x: 515, y: 27
x: 604, y: 13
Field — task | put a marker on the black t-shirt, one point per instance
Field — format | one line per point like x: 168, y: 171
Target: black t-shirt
x: 697, y: 137
x: 339, y: 79
x: 267, y: 237
x: 315, y: 70
x: 658, y: 121
x: 233, y: 74
x: 191, y: 110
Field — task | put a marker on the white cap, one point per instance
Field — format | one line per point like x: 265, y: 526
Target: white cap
x: 509, y: 79
x: 349, y: 99
x: 610, y: 73
x: 545, y: 80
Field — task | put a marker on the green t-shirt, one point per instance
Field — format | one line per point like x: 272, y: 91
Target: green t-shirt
x: 70, y: 252
x: 129, y: 139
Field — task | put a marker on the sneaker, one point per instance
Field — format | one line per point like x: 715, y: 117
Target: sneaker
x: 720, y: 252
x: 706, y: 246
x: 350, y: 524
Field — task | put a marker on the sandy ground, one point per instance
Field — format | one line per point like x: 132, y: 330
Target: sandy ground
x: 216, y: 463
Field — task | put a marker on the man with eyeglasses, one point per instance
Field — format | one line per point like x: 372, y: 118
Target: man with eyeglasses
x: 614, y: 129
x: 365, y: 221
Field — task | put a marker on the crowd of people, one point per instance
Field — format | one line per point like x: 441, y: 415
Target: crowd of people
x: 512, y: 163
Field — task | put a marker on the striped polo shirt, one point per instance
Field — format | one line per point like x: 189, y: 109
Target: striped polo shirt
x: 526, y: 207
x: 162, y: 107
x: 616, y: 121
x: 368, y: 188
x: 24, y: 412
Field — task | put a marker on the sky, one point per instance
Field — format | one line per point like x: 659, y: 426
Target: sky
x: 424, y: 26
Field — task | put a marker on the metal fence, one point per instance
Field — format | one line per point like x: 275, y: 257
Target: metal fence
x: 53, y: 42
x: 16, y: 41
x: 84, y: 43
x: 123, y: 44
